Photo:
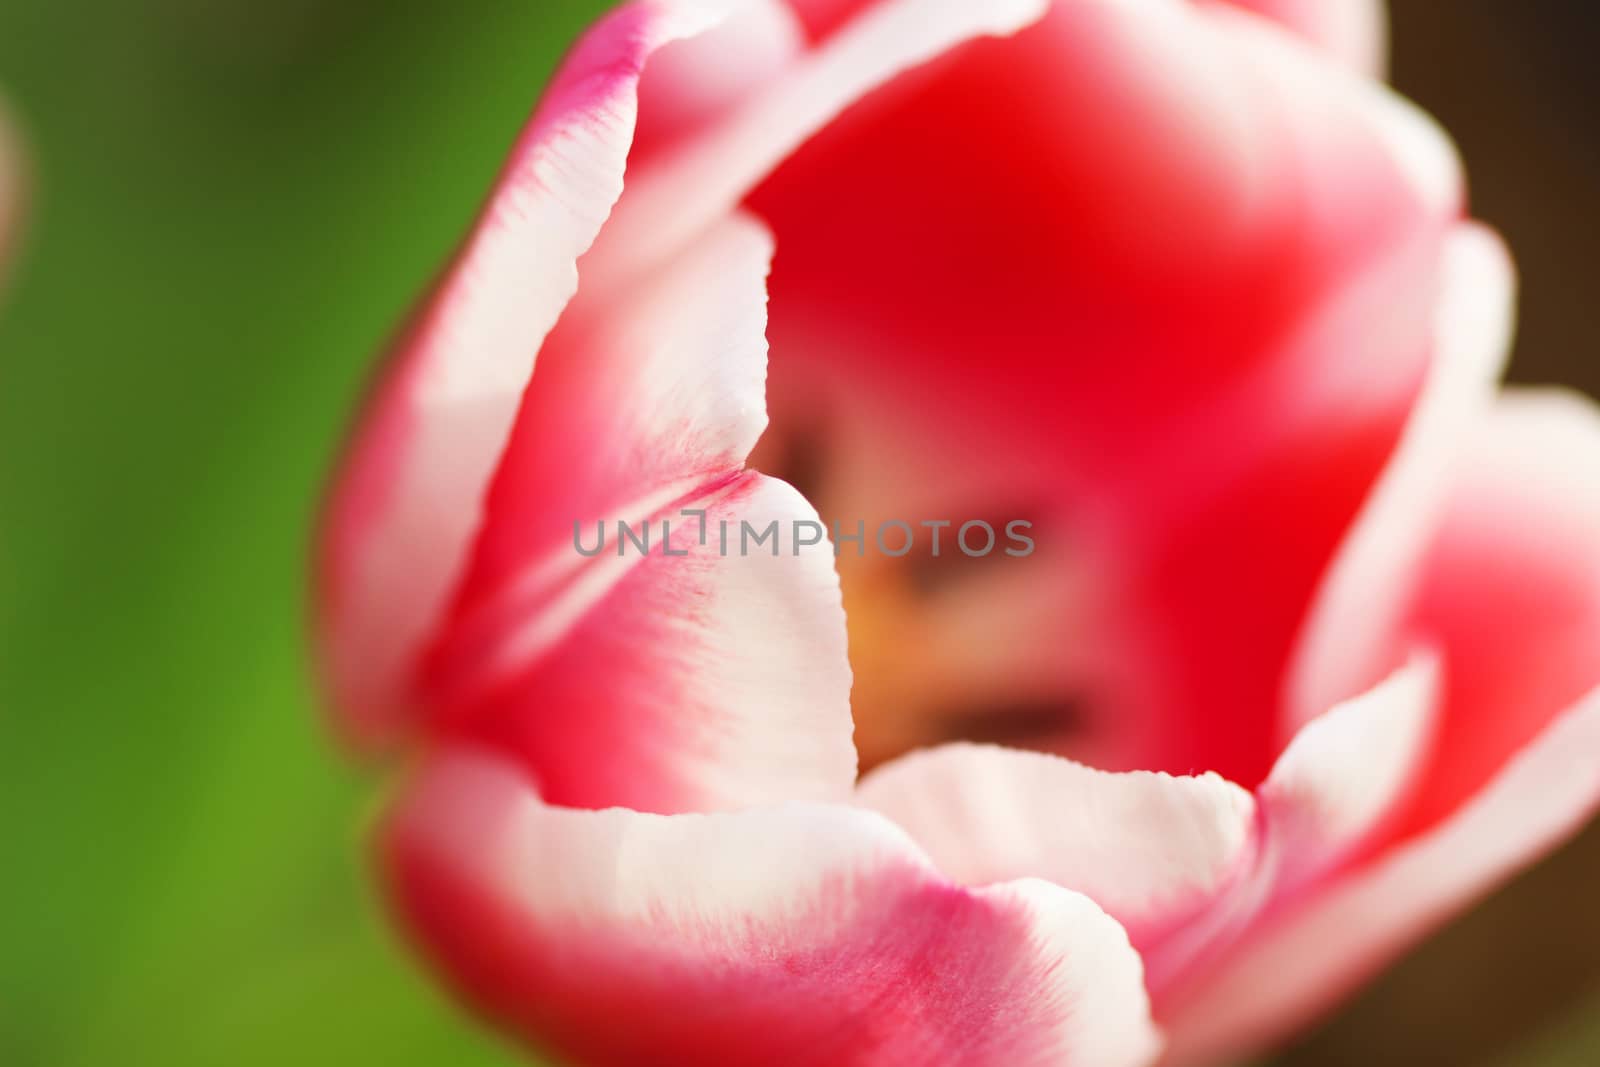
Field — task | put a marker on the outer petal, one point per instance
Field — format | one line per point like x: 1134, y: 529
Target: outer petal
x: 1185, y: 864
x: 410, y: 499
x: 706, y: 671
x: 1349, y: 639
x: 1331, y: 794
x: 1354, y: 30
x: 1511, y: 595
x: 628, y: 417
x: 630, y: 412
x: 1151, y: 849
x: 696, y: 81
x: 1303, y: 963
x: 408, y: 502
x: 1347, y: 775
x: 1511, y: 589
x: 704, y: 679
x: 797, y: 935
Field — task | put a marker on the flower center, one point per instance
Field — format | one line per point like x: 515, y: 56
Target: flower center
x: 970, y: 611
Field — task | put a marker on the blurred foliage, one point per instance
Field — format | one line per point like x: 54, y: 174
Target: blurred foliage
x: 235, y: 203
x: 1573, y: 1042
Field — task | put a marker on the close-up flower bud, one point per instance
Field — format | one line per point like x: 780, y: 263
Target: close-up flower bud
x: 874, y: 532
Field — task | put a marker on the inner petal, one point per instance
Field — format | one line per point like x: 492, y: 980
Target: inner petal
x: 973, y: 603
x: 1056, y: 279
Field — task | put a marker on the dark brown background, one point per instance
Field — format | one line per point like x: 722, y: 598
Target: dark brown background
x: 1517, y: 83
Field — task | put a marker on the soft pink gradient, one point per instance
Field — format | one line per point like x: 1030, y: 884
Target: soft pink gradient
x: 1180, y: 278
x: 1355, y: 31
x: 796, y: 934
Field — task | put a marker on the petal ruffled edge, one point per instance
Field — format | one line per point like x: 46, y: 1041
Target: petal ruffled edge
x: 1186, y: 865
x: 1292, y: 969
x: 1523, y: 490
x: 806, y: 934
x: 1348, y: 640
x: 406, y: 504
x: 707, y: 176
x: 1154, y: 850
x: 410, y: 497
x: 711, y: 677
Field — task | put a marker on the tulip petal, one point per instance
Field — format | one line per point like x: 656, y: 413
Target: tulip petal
x: 803, y: 935
x: 1349, y: 638
x: 1511, y: 597
x: 711, y: 674
x: 705, y: 177
x: 1141, y: 147
x: 691, y: 674
x: 403, y: 513
x: 697, y: 80
x: 1151, y: 849
x: 1346, y: 775
x: 1083, y: 238
x: 410, y: 497
x: 1511, y: 588
x: 823, y: 17
x: 1185, y: 864
x: 1329, y: 797
x: 1356, y: 31
x: 631, y: 411
x: 1295, y: 968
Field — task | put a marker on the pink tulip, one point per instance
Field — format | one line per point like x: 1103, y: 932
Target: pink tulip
x: 1190, y: 292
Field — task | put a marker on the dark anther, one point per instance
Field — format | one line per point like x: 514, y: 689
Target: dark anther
x: 1019, y: 723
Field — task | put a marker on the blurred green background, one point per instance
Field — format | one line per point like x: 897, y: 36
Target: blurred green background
x: 235, y: 203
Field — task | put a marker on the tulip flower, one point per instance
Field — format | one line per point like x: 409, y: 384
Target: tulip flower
x: 1302, y: 660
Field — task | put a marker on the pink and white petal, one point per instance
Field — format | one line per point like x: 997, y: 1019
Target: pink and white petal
x: 1300, y: 965
x: 669, y: 682
x: 408, y: 500
x: 1511, y: 588
x: 1346, y: 777
x: 1349, y: 641
x: 1184, y: 156
x: 1143, y: 138
x: 800, y: 934
x: 1331, y: 794
x: 1511, y: 598
x: 706, y: 176
x: 630, y: 411
x: 823, y: 17
x: 695, y: 81
x: 1356, y: 31
x: 411, y: 495
x: 1152, y: 850
x: 705, y: 679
